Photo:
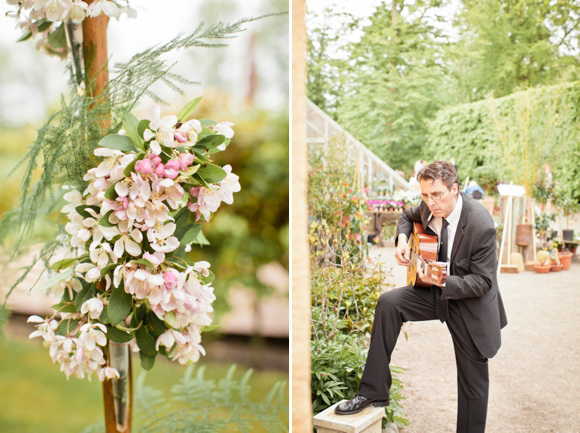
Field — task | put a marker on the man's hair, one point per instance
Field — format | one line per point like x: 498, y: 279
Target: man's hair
x: 442, y: 170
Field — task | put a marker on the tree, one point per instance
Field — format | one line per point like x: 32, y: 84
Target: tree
x: 397, y: 81
x: 326, y: 58
x: 515, y: 44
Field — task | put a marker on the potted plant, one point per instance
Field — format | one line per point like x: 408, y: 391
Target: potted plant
x: 542, y: 224
x: 568, y: 206
x: 555, y: 260
x: 544, y: 262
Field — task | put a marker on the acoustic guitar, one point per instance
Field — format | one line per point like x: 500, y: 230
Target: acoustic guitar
x: 423, y: 251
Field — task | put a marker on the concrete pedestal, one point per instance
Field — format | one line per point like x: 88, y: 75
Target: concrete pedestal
x: 366, y: 421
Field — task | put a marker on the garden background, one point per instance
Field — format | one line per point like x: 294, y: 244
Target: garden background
x: 492, y: 84
x: 246, y: 83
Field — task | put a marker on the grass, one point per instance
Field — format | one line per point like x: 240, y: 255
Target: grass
x: 36, y: 397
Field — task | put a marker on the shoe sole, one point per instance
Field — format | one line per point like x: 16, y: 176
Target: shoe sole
x: 375, y: 404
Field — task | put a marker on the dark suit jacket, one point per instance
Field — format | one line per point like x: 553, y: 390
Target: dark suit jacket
x: 472, y: 279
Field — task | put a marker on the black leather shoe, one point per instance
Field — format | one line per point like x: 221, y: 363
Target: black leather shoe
x: 357, y: 404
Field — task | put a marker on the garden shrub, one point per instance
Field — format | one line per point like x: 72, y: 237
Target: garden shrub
x: 345, y: 285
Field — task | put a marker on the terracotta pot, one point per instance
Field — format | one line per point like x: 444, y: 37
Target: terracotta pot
x: 542, y: 269
x: 556, y: 268
x: 565, y: 259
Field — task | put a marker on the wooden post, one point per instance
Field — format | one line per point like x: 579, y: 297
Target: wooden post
x: 95, y: 55
x: 301, y: 397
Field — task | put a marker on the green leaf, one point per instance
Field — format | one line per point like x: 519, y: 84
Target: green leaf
x: 105, y: 220
x: 118, y: 142
x: 200, y: 156
x: 87, y: 292
x: 54, y: 280
x: 108, y: 268
x: 181, y: 218
x: 170, y: 318
x: 147, y: 362
x: 42, y: 24
x: 225, y: 145
x: 82, y: 212
x: 210, y: 142
x: 145, y: 341
x: 64, y: 307
x: 201, y: 239
x: 210, y: 328
x: 212, y: 173
x: 118, y: 336
x: 62, y: 264
x: 190, y: 235
x: 207, y: 122
x: 104, y: 317
x: 120, y: 304
x: 143, y: 262
x: 143, y: 125
x: 57, y: 39
x: 155, y: 325
x: 191, y: 170
x: 111, y: 194
x: 188, y: 109
x: 209, y: 278
x: 131, y: 126
x: 25, y: 37
x: 66, y: 326
x: 198, y: 178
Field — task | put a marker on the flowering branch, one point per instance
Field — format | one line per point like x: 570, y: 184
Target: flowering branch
x: 127, y: 280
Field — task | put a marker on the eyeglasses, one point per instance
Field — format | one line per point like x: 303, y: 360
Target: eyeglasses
x: 436, y: 196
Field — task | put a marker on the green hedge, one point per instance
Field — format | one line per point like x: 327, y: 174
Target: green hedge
x: 516, y: 134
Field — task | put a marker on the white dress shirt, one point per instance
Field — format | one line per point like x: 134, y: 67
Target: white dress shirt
x: 453, y: 220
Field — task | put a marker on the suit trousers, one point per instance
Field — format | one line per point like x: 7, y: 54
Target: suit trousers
x: 418, y: 304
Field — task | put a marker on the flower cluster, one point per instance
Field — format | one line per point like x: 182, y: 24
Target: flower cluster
x: 39, y: 17
x: 382, y: 205
x: 129, y: 229
x: 408, y: 197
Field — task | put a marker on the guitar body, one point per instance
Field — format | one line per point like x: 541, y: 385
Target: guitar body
x: 423, y: 245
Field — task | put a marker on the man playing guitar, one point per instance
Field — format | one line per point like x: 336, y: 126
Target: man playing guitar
x: 455, y: 282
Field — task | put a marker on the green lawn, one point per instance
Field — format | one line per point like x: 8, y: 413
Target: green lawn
x: 36, y: 397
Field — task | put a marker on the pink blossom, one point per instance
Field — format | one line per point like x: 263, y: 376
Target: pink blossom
x: 181, y: 136
x: 170, y: 280
x: 160, y: 170
x: 172, y: 164
x: 185, y: 160
x: 144, y: 166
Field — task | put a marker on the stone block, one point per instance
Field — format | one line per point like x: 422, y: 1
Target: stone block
x: 366, y: 421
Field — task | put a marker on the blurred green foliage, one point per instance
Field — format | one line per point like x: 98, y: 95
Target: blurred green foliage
x: 35, y: 398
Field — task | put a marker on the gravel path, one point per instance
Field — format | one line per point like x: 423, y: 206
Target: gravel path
x: 534, y: 378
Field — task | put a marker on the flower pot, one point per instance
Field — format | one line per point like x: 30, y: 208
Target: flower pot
x: 568, y: 235
x: 565, y: 259
x: 556, y: 268
x: 543, y: 269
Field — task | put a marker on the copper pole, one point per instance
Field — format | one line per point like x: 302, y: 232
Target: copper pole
x: 96, y: 77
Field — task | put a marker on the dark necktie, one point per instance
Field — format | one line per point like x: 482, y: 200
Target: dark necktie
x: 441, y: 305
